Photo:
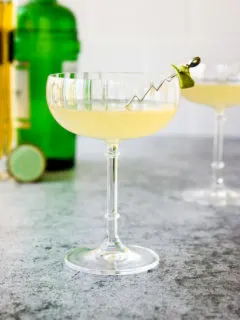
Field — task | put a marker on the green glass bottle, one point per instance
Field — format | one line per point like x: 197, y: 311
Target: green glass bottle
x: 46, y: 42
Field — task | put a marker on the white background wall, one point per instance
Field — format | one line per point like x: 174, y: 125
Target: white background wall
x: 141, y: 35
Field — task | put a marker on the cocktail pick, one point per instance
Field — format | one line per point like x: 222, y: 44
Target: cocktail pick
x: 182, y: 72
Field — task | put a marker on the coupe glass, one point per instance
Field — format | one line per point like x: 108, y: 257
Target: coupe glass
x: 217, y: 86
x: 97, y: 105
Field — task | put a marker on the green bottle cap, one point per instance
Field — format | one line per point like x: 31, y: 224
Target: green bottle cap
x: 26, y: 163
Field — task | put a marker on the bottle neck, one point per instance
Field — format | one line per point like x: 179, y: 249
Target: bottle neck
x: 43, y: 1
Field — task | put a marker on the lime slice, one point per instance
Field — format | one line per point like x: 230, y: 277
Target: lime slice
x: 185, y: 79
x: 26, y: 163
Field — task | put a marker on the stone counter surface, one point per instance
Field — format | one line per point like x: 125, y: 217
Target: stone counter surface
x: 199, y: 272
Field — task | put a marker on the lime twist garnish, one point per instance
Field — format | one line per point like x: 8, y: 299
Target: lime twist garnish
x: 183, y: 73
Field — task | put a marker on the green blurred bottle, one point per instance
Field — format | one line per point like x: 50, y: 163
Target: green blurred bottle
x: 45, y: 42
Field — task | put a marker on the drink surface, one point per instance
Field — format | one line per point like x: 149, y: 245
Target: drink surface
x: 217, y: 96
x: 114, y: 125
x: 6, y: 28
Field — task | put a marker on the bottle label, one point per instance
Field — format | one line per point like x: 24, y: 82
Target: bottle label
x: 69, y: 66
x: 21, y: 101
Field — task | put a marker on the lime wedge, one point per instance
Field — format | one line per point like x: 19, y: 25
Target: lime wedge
x: 184, y: 76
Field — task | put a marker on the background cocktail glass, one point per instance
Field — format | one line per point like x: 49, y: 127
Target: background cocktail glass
x: 96, y: 105
x: 217, y: 86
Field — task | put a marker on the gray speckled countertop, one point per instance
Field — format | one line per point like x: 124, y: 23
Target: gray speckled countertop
x: 199, y: 272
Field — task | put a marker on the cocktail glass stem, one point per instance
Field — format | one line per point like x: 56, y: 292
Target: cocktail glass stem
x: 112, y: 244
x: 112, y: 257
x: 218, y: 164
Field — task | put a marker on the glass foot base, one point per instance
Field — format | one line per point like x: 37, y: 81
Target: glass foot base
x: 135, y: 259
x: 213, y: 197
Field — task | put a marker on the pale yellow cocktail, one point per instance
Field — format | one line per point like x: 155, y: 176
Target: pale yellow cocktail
x: 114, y: 125
x: 218, y: 96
